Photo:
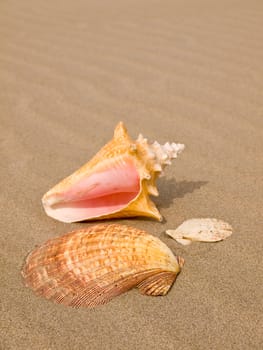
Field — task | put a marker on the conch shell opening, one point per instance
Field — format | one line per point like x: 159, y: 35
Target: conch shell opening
x: 116, y: 182
x: 91, y: 266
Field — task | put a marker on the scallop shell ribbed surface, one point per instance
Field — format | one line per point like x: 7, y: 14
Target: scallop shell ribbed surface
x: 89, y: 267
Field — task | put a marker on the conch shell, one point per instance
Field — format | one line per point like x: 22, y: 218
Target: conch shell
x: 202, y: 230
x: 91, y: 266
x: 116, y: 182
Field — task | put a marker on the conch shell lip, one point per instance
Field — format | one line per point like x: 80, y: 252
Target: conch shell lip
x: 50, y: 206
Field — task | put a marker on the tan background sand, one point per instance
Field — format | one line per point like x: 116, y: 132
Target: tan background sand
x: 184, y: 71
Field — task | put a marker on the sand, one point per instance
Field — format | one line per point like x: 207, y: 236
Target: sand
x: 183, y: 71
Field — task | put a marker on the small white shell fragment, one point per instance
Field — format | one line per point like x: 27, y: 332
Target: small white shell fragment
x: 182, y: 241
x: 202, y: 230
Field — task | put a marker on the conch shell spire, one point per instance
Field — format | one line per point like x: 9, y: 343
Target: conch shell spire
x: 162, y: 154
x: 115, y: 183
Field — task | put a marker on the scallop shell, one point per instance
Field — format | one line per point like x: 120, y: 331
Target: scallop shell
x: 91, y: 266
x: 202, y: 230
x: 116, y: 182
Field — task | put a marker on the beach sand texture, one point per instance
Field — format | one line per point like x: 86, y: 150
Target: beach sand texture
x: 183, y: 71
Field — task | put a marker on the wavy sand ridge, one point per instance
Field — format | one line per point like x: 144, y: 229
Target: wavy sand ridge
x: 178, y: 71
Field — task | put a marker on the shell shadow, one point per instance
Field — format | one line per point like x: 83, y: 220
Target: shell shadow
x: 170, y: 189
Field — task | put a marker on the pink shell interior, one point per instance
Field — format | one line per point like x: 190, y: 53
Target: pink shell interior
x: 101, y: 193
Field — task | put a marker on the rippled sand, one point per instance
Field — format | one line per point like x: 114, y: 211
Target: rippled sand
x: 183, y: 71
